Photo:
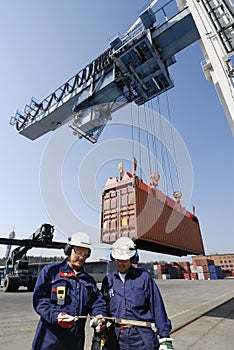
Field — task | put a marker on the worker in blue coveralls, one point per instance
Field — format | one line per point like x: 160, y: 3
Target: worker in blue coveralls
x: 64, y: 290
x: 132, y: 295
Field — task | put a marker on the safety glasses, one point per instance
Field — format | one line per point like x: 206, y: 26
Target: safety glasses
x: 83, y: 255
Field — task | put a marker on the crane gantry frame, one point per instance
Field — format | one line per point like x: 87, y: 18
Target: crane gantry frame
x: 135, y: 68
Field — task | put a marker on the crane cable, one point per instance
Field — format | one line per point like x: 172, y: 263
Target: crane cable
x: 147, y: 140
x: 152, y: 147
x: 132, y: 133
x: 172, y: 138
x: 162, y: 140
x: 139, y: 139
x: 164, y: 150
x: 153, y: 136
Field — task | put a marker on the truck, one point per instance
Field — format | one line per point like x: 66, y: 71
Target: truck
x: 16, y: 271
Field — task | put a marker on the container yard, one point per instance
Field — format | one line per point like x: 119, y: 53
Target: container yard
x: 202, y: 314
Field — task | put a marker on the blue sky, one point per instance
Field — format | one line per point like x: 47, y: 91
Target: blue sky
x: 45, y: 43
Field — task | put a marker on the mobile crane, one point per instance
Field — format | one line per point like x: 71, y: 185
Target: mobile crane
x: 16, y: 272
x: 135, y: 68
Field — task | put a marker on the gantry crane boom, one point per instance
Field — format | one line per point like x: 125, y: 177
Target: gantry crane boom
x: 133, y: 69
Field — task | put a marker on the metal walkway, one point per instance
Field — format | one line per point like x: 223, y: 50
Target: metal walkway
x: 133, y: 68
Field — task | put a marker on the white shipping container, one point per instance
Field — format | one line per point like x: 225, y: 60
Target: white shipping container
x: 199, y: 269
x: 166, y: 276
x: 193, y: 268
x: 200, y: 276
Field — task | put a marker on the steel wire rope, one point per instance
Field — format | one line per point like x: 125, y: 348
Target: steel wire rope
x: 172, y: 138
x: 132, y: 133
x: 147, y: 140
x: 154, y: 140
x: 168, y: 162
x: 139, y: 138
x: 167, y: 158
x: 161, y: 143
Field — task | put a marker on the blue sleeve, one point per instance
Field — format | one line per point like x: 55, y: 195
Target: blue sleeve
x: 162, y: 322
x: 41, y: 298
x: 98, y: 304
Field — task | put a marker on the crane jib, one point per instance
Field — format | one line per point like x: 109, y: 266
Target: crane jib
x: 133, y: 69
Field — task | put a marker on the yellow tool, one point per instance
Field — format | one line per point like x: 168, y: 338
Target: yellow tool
x: 61, y: 293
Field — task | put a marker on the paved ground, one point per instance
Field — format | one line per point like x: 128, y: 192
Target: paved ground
x: 211, y: 332
x: 184, y: 300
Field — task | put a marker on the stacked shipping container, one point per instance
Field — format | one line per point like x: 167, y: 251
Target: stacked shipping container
x: 204, y: 270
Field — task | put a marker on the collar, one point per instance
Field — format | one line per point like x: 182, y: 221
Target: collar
x: 66, y: 270
x: 133, y: 272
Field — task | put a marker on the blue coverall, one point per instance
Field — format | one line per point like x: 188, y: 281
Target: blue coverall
x: 82, y: 298
x: 138, y: 298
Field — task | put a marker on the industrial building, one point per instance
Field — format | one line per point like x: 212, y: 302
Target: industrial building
x: 203, y: 267
x: 225, y: 261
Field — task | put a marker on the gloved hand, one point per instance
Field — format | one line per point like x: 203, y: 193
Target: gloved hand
x: 64, y: 320
x: 166, y: 344
x: 98, y: 323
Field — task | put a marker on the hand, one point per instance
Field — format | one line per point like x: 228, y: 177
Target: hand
x: 166, y: 344
x: 64, y: 320
x: 98, y: 323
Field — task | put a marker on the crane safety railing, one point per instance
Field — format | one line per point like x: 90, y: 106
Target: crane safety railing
x: 35, y: 110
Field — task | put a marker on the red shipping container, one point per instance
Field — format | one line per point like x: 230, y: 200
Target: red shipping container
x: 194, y: 276
x: 199, y: 261
x: 159, y: 275
x: 130, y: 208
x: 205, y: 268
x: 206, y: 276
x: 187, y: 276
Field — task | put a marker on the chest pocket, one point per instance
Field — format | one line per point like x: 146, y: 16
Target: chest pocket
x: 138, y: 298
x: 54, y: 290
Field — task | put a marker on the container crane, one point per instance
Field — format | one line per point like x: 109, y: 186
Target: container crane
x: 135, y: 68
x: 16, y: 272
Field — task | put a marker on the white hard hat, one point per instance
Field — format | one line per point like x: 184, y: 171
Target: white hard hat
x: 123, y: 249
x: 80, y: 239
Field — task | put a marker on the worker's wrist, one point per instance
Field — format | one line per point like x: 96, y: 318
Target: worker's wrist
x: 162, y: 340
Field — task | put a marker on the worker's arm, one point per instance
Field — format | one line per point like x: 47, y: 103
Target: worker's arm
x: 97, y: 302
x: 162, y: 322
x: 42, y: 298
